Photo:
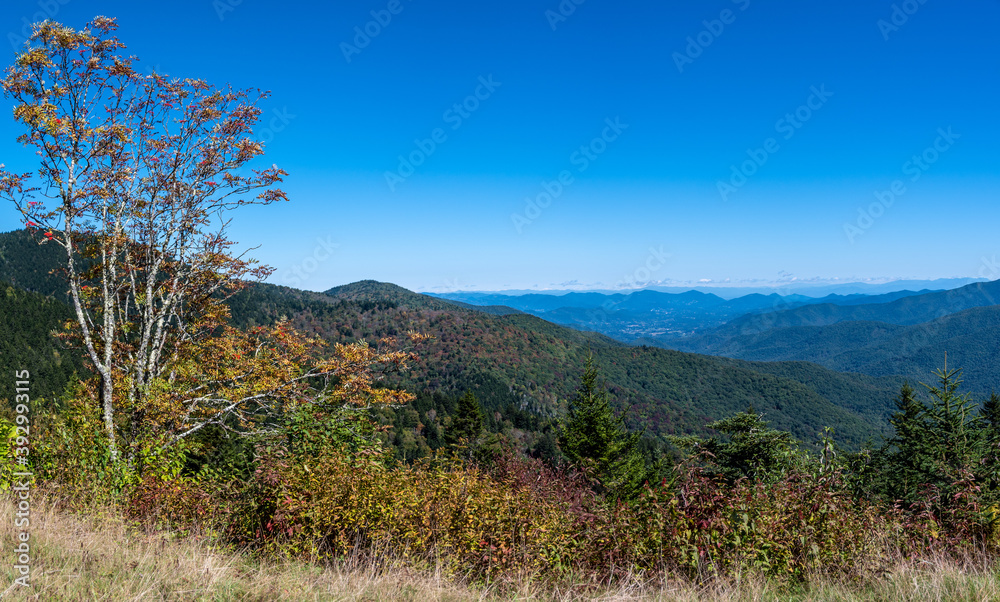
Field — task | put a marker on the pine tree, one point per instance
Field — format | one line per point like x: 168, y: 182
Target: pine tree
x: 910, y: 424
x: 954, y: 424
x: 908, y: 417
x: 990, y: 413
x: 936, y: 444
x: 467, y: 424
x: 754, y: 450
x: 905, y: 458
x: 597, y: 440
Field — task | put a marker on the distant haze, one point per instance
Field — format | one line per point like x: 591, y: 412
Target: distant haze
x: 732, y: 291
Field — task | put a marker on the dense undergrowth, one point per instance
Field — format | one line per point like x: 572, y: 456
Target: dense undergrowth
x: 99, y: 556
x: 322, y: 490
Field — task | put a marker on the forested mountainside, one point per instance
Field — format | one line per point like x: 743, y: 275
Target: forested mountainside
x: 971, y: 338
x: 527, y: 364
x: 521, y: 367
x: 28, y: 324
x: 29, y: 265
x: 32, y: 310
x: 656, y: 315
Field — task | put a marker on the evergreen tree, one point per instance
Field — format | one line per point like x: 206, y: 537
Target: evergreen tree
x: 754, y: 450
x: 751, y: 450
x: 908, y: 418
x: 597, y: 440
x: 938, y: 445
x: 467, y: 424
x: 989, y: 470
x: 547, y: 447
x: 956, y: 432
x: 990, y: 414
x: 904, y: 465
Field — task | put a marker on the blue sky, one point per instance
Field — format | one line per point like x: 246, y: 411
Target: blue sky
x: 816, y: 106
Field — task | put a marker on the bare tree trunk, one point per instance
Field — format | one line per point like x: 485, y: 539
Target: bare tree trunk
x: 107, y: 401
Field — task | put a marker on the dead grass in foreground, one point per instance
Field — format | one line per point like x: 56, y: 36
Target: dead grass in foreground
x: 98, y: 558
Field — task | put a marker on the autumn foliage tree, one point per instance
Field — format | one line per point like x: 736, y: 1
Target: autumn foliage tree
x: 241, y: 381
x: 138, y: 175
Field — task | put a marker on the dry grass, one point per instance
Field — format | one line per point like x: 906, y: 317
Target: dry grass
x: 99, y: 558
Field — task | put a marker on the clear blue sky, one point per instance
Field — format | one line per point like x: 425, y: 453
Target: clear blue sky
x: 693, y: 108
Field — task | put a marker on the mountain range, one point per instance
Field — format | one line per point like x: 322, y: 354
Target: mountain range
x: 519, y: 360
x: 907, y: 337
x: 900, y: 334
x: 804, y: 362
x: 655, y: 315
x: 522, y: 368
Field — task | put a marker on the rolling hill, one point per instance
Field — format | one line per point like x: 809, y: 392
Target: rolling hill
x: 971, y: 338
x: 523, y: 360
x: 523, y: 368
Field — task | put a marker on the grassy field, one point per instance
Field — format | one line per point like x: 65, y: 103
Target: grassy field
x: 100, y: 558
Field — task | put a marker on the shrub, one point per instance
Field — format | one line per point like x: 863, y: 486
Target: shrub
x: 70, y: 452
x: 439, y: 508
x: 525, y: 517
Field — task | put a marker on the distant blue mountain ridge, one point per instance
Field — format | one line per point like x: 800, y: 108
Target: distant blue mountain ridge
x: 903, y: 333
x: 650, y: 313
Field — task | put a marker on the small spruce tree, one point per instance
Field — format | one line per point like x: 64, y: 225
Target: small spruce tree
x: 751, y: 450
x: 957, y: 428
x: 937, y: 445
x: 991, y: 412
x: 754, y: 450
x: 906, y: 457
x: 467, y: 424
x: 593, y: 438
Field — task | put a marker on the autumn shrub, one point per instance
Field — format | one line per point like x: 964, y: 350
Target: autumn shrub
x: 955, y: 522
x: 804, y: 523
x: 322, y: 490
x: 70, y: 454
x: 181, y: 505
x: 8, y: 460
x: 522, y: 516
x: 438, y: 509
